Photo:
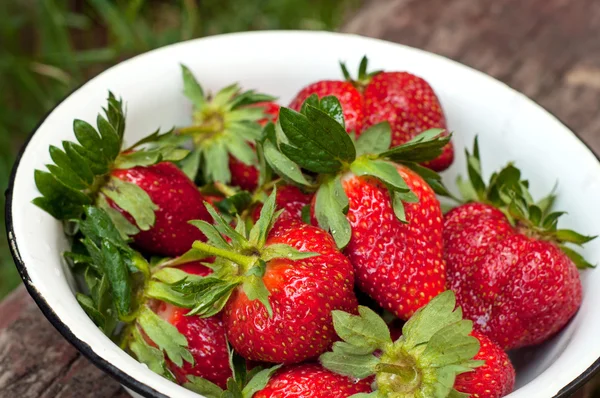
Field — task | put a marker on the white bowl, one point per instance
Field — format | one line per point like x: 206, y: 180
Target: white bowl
x: 510, y: 127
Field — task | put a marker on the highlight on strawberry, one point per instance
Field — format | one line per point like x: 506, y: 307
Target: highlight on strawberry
x: 510, y: 265
x: 230, y: 256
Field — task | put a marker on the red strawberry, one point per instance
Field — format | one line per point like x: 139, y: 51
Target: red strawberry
x: 277, y: 284
x: 205, y: 336
x: 494, y: 379
x: 289, y: 198
x: 513, y: 277
x: 302, y: 294
x: 224, y: 127
x: 243, y: 175
x: 385, y: 214
x: 410, y: 105
x: 310, y: 380
x: 406, y: 101
x: 178, y: 201
x: 349, y: 96
x: 405, y: 258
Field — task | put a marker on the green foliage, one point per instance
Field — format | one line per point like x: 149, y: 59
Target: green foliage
x: 51, y: 47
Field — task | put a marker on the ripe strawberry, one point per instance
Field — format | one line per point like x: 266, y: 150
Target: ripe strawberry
x: 223, y: 130
x: 205, y: 337
x: 349, y: 96
x: 406, y: 258
x: 243, y: 175
x: 406, y: 101
x: 507, y: 261
x: 277, y: 285
x: 290, y: 199
x: 384, y: 213
x: 434, y: 348
x: 310, y: 380
x: 494, y: 379
x: 177, y: 201
x: 410, y: 105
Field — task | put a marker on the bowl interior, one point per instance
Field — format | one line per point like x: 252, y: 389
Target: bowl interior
x: 510, y: 128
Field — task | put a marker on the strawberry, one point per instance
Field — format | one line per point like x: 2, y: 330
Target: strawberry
x: 205, y: 337
x: 435, y: 348
x: 276, y: 285
x: 406, y: 101
x: 223, y: 131
x: 405, y: 257
x: 290, y: 199
x: 410, y: 105
x: 349, y: 96
x: 310, y: 380
x: 243, y: 175
x: 177, y: 201
x: 508, y: 262
x: 373, y: 201
x: 154, y: 199
x: 494, y: 379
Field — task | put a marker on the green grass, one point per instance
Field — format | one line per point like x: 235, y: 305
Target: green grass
x: 49, y: 47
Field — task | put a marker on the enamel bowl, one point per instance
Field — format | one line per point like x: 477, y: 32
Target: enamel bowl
x: 510, y: 127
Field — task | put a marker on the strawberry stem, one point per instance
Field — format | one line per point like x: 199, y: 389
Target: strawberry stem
x: 398, y: 377
x: 246, y: 262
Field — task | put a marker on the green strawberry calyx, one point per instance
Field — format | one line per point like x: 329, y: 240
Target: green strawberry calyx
x: 363, y: 78
x: 223, y: 125
x: 312, y: 149
x: 241, y: 258
x: 508, y: 192
x: 434, y: 348
x: 80, y: 172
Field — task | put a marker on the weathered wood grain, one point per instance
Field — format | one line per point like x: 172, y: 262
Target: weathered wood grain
x: 547, y: 49
x: 37, y: 362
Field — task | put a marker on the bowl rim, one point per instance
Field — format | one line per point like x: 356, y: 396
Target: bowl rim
x: 121, y: 376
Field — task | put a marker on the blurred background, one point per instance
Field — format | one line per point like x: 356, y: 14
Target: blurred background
x: 50, y: 47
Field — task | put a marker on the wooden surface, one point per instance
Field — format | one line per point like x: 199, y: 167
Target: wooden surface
x: 547, y: 49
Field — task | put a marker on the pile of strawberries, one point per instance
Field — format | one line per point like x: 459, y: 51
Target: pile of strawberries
x: 302, y: 251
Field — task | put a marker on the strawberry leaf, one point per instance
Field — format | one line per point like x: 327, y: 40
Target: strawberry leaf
x: 165, y: 336
x: 317, y: 142
x: 426, y: 146
x: 570, y: 236
x: 282, y: 165
x: 216, y: 159
x: 375, y: 139
x: 209, y: 294
x: 331, y: 106
x: 125, y: 228
x: 357, y: 366
x: 191, y: 164
x: 285, y: 251
x: 255, y: 289
x: 235, y: 204
x: 382, y: 170
x: 365, y: 330
x: 191, y: 88
x: 259, y: 381
x: 132, y: 199
x: 89, y: 307
x: 150, y: 157
x: 258, y: 234
x: 203, y: 387
x: 578, y: 259
x: 331, y: 206
x: 148, y: 355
